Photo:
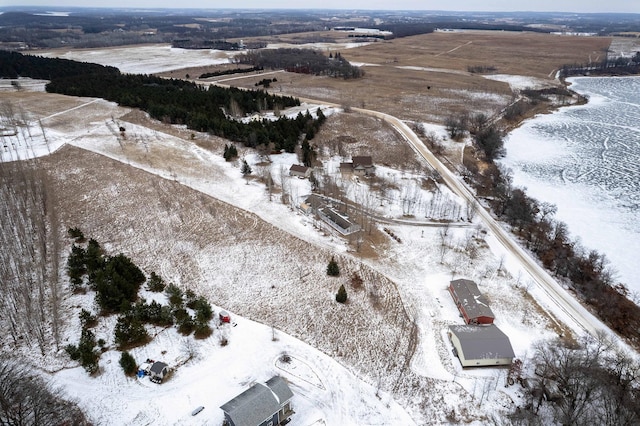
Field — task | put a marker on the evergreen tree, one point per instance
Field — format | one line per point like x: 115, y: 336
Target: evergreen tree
x: 333, y: 270
x: 94, y: 259
x: 76, y: 266
x: 128, y: 364
x: 76, y: 234
x: 129, y: 331
x: 308, y: 154
x: 230, y: 152
x: 341, y: 296
x: 175, y: 296
x: 155, y: 283
x: 246, y: 169
x: 88, y: 356
x: 87, y: 320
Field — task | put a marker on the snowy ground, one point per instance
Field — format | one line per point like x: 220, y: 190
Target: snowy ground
x: 327, y: 392
x: 145, y: 59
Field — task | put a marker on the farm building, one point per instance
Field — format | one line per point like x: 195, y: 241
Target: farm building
x: 481, y: 345
x: 363, y: 165
x: 337, y: 221
x: 299, y: 171
x: 158, y: 371
x: 359, y: 165
x: 260, y: 405
x: 473, y: 306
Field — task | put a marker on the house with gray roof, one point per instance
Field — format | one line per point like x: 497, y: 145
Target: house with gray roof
x: 481, y: 345
x: 473, y: 306
x: 267, y: 404
x: 157, y: 371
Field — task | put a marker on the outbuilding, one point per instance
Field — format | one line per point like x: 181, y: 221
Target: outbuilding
x: 481, y: 345
x: 224, y: 317
x: 473, y: 306
x: 158, y: 371
x: 260, y: 405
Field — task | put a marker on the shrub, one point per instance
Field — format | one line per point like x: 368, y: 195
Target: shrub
x: 128, y: 364
x: 356, y: 281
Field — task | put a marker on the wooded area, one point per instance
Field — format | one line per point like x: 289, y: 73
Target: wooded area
x: 214, y: 109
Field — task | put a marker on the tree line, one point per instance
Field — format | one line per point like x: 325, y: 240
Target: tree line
x: 214, y: 109
x: 548, y: 238
x: 617, y: 66
x: 305, y: 61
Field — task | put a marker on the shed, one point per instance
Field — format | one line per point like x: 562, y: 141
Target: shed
x: 473, y: 306
x: 299, y: 171
x: 224, y: 316
x: 260, y: 405
x: 481, y: 345
x: 158, y: 371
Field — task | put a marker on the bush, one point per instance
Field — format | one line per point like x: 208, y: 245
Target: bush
x: 341, y: 296
x: 128, y: 364
x: 333, y: 270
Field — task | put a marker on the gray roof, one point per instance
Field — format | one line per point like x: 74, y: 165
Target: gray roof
x: 157, y: 367
x: 280, y: 389
x: 474, y: 303
x: 298, y: 168
x: 258, y: 403
x: 482, y: 341
x: 340, y: 220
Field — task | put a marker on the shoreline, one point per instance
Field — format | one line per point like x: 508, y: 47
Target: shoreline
x: 594, y: 214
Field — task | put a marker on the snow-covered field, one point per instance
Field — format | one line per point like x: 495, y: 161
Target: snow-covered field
x: 144, y: 59
x: 331, y: 387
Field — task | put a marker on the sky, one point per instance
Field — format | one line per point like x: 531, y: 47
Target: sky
x: 584, y: 6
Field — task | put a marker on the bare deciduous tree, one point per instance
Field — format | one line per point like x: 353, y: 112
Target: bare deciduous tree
x: 25, y: 399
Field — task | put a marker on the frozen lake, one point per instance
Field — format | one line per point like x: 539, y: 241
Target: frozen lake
x: 586, y: 160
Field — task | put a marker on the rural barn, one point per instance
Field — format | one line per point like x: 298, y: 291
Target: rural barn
x: 260, y: 405
x: 473, y: 306
x: 481, y: 345
x: 158, y: 371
